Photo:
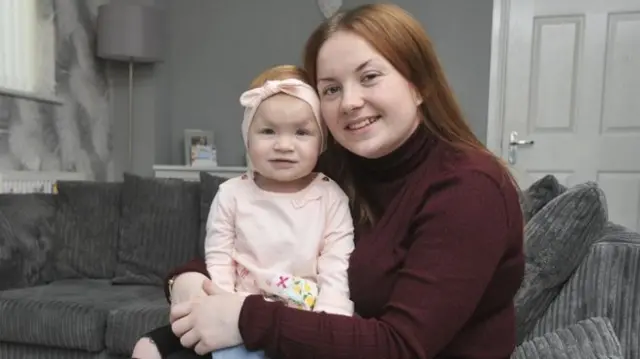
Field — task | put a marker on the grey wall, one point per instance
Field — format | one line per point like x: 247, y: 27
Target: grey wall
x: 214, y: 49
x: 461, y: 33
x: 150, y: 116
x: 217, y: 47
x: 76, y: 135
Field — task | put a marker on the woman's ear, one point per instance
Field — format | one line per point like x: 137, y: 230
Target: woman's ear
x: 417, y: 97
x: 418, y: 100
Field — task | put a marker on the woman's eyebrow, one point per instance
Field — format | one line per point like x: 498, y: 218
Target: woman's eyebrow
x: 357, y: 69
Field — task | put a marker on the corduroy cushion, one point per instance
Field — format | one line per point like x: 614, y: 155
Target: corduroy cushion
x: 72, y: 313
x: 159, y: 228
x: 86, y: 228
x: 26, y: 239
x: 557, y: 239
x: 541, y: 192
x: 593, y: 338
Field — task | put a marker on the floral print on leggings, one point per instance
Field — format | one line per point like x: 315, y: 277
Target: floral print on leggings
x: 296, y: 292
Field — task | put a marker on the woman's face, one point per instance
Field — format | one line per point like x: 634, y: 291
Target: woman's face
x: 366, y: 103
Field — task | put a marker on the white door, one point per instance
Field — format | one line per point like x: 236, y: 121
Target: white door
x: 571, y: 84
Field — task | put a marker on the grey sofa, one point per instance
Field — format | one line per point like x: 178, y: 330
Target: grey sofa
x: 81, y: 271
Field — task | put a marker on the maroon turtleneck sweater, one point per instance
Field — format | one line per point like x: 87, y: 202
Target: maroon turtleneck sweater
x: 435, y: 276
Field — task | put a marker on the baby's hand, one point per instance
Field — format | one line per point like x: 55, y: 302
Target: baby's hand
x: 188, y: 286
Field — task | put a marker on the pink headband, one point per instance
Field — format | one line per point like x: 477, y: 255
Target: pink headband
x: 251, y: 99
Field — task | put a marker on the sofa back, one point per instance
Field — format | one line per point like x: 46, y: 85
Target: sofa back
x: 132, y: 232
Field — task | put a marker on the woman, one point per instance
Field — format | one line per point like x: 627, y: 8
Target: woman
x: 439, y: 230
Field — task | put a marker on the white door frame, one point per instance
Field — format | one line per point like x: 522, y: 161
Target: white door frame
x: 497, y: 75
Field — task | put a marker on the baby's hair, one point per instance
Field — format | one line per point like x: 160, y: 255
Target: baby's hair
x: 280, y: 72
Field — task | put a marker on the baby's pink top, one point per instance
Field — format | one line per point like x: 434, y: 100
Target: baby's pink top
x: 254, y: 235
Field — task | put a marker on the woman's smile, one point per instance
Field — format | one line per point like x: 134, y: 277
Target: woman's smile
x: 361, y: 123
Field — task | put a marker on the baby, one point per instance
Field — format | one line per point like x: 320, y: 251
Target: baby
x: 281, y: 230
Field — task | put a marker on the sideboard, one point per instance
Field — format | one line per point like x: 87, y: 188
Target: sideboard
x: 192, y: 173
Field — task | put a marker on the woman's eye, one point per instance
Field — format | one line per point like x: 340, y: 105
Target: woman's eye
x: 330, y: 90
x: 369, y: 77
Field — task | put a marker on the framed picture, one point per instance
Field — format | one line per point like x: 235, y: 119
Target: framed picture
x: 199, y: 148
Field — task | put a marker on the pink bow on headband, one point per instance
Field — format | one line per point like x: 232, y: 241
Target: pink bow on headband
x: 253, y: 97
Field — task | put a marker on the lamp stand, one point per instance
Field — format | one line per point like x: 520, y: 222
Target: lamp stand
x: 130, y: 115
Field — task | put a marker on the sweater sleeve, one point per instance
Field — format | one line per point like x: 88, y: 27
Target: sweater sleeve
x: 195, y: 265
x: 461, y: 233
x: 219, y: 241
x: 333, y: 262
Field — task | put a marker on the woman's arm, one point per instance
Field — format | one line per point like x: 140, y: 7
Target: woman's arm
x: 461, y: 234
x: 174, y: 281
x: 187, y: 287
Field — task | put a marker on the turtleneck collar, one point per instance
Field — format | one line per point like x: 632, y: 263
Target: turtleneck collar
x: 399, y: 163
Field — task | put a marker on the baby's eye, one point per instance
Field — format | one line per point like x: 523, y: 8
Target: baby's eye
x: 266, y: 131
x: 303, y: 132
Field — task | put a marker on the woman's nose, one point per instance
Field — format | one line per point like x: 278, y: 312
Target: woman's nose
x: 351, y: 100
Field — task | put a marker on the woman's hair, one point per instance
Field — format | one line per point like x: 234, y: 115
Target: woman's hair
x: 400, y: 38
x: 280, y: 72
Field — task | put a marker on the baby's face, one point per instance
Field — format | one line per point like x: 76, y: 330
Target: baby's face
x: 284, y: 139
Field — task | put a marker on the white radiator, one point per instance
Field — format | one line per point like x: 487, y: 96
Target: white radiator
x: 30, y: 182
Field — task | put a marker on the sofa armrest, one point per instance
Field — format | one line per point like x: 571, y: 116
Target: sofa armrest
x: 10, y: 270
x: 10, y: 264
x: 593, y: 338
x: 26, y: 237
x: 605, y: 284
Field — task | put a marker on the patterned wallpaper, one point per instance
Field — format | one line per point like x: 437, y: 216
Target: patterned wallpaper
x: 74, y: 136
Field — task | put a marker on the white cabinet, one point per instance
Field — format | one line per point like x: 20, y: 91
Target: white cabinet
x: 193, y: 173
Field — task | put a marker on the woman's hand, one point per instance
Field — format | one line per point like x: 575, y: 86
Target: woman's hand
x: 208, y: 323
x: 187, y: 286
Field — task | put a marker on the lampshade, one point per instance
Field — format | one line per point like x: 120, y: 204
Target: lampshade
x: 130, y: 32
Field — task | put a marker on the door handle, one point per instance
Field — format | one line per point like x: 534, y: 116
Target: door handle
x: 514, y: 143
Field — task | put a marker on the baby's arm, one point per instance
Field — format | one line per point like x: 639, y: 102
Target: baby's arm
x: 219, y: 240
x: 333, y: 296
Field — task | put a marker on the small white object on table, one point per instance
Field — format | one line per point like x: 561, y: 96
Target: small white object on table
x: 35, y: 181
x: 192, y: 173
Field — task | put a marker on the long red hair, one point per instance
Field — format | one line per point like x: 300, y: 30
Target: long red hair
x: 280, y: 72
x: 400, y: 38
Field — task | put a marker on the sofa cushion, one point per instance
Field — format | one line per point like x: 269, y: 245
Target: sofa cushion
x: 127, y: 323
x: 209, y: 185
x: 557, y: 239
x: 539, y: 194
x: 159, y: 228
x: 26, y: 351
x: 86, y: 229
x: 26, y: 238
x: 605, y: 284
x: 593, y: 338
x: 69, y: 314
